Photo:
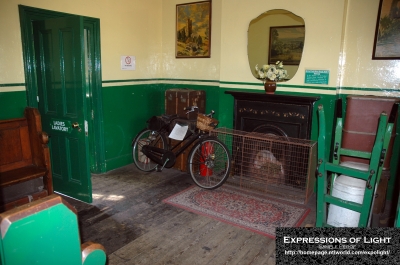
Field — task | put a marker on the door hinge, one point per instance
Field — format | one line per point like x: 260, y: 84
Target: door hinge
x: 37, y: 98
x: 92, y: 114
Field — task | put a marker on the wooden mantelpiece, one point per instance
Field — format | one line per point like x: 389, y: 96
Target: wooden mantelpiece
x: 283, y: 115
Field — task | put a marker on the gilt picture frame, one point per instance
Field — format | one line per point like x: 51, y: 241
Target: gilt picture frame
x: 193, y: 30
x: 286, y: 44
x: 387, y: 33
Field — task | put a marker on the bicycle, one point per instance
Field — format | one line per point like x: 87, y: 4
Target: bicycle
x: 209, y: 160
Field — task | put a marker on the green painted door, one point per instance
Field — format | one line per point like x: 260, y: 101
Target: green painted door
x: 62, y: 89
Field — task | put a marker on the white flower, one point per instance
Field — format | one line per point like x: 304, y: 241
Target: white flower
x: 271, y: 75
x: 273, y: 72
x: 272, y: 69
x: 261, y: 74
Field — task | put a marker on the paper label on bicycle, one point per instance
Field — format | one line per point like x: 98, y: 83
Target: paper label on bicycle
x: 179, y: 132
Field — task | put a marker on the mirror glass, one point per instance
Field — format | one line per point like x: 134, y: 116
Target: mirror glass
x: 276, y: 35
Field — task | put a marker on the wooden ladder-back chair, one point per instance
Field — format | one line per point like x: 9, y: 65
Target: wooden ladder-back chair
x: 358, y: 158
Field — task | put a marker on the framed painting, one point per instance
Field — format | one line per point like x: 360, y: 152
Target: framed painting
x: 286, y: 44
x: 193, y: 30
x: 387, y: 33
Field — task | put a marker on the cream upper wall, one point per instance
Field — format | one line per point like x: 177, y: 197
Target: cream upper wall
x: 358, y: 68
x: 339, y: 37
x: 128, y: 27
x: 322, y: 38
x: 11, y: 64
x: 146, y: 29
x: 193, y: 68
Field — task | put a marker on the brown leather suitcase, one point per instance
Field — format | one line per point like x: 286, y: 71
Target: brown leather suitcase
x: 176, y: 100
x: 361, y: 123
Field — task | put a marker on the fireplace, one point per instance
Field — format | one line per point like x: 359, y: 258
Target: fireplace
x: 271, y: 147
x: 281, y: 115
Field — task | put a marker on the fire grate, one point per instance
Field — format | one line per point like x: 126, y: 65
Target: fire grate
x: 278, y: 166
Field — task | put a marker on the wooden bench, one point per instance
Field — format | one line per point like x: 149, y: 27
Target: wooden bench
x: 24, y: 157
x: 45, y: 231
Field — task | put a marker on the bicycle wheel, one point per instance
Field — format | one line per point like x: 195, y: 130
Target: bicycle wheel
x: 146, y: 137
x: 209, y: 163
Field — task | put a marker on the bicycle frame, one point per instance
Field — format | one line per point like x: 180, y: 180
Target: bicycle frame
x: 187, y: 142
x: 209, y: 160
x: 167, y: 157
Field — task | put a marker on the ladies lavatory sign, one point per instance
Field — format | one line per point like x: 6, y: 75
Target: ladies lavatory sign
x: 61, y: 125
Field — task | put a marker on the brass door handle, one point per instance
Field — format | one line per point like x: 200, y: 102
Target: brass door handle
x: 75, y: 125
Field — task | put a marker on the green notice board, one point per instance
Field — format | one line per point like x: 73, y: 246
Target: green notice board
x: 317, y: 77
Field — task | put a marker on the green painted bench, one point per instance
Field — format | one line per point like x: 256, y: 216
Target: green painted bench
x: 45, y: 232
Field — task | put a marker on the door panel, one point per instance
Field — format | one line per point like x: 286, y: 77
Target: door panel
x: 47, y: 50
x: 59, y: 48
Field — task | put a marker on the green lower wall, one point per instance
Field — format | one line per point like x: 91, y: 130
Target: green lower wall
x: 126, y: 109
x: 12, y: 104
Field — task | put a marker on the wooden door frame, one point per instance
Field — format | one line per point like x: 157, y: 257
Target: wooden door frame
x: 96, y: 140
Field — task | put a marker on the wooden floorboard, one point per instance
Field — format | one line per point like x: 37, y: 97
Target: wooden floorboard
x: 188, y: 239
x: 130, y: 220
x: 160, y: 241
x: 216, y: 247
x: 202, y: 246
x: 253, y: 252
x: 244, y: 249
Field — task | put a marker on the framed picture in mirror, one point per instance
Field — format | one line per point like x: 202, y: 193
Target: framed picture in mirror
x: 286, y: 44
x: 193, y: 30
x: 387, y: 33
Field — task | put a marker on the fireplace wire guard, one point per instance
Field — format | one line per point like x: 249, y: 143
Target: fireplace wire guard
x: 277, y: 166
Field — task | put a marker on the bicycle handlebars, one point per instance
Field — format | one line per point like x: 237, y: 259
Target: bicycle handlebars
x: 191, y: 109
x: 194, y: 108
x: 211, y: 113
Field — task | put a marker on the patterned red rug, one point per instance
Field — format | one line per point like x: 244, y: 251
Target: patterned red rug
x: 249, y: 211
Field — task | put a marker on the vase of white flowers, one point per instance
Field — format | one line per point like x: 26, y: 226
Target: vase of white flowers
x: 270, y: 74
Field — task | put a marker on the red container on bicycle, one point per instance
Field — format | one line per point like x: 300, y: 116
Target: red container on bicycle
x: 207, y: 150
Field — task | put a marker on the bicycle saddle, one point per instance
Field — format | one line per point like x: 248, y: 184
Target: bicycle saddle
x: 168, y: 118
